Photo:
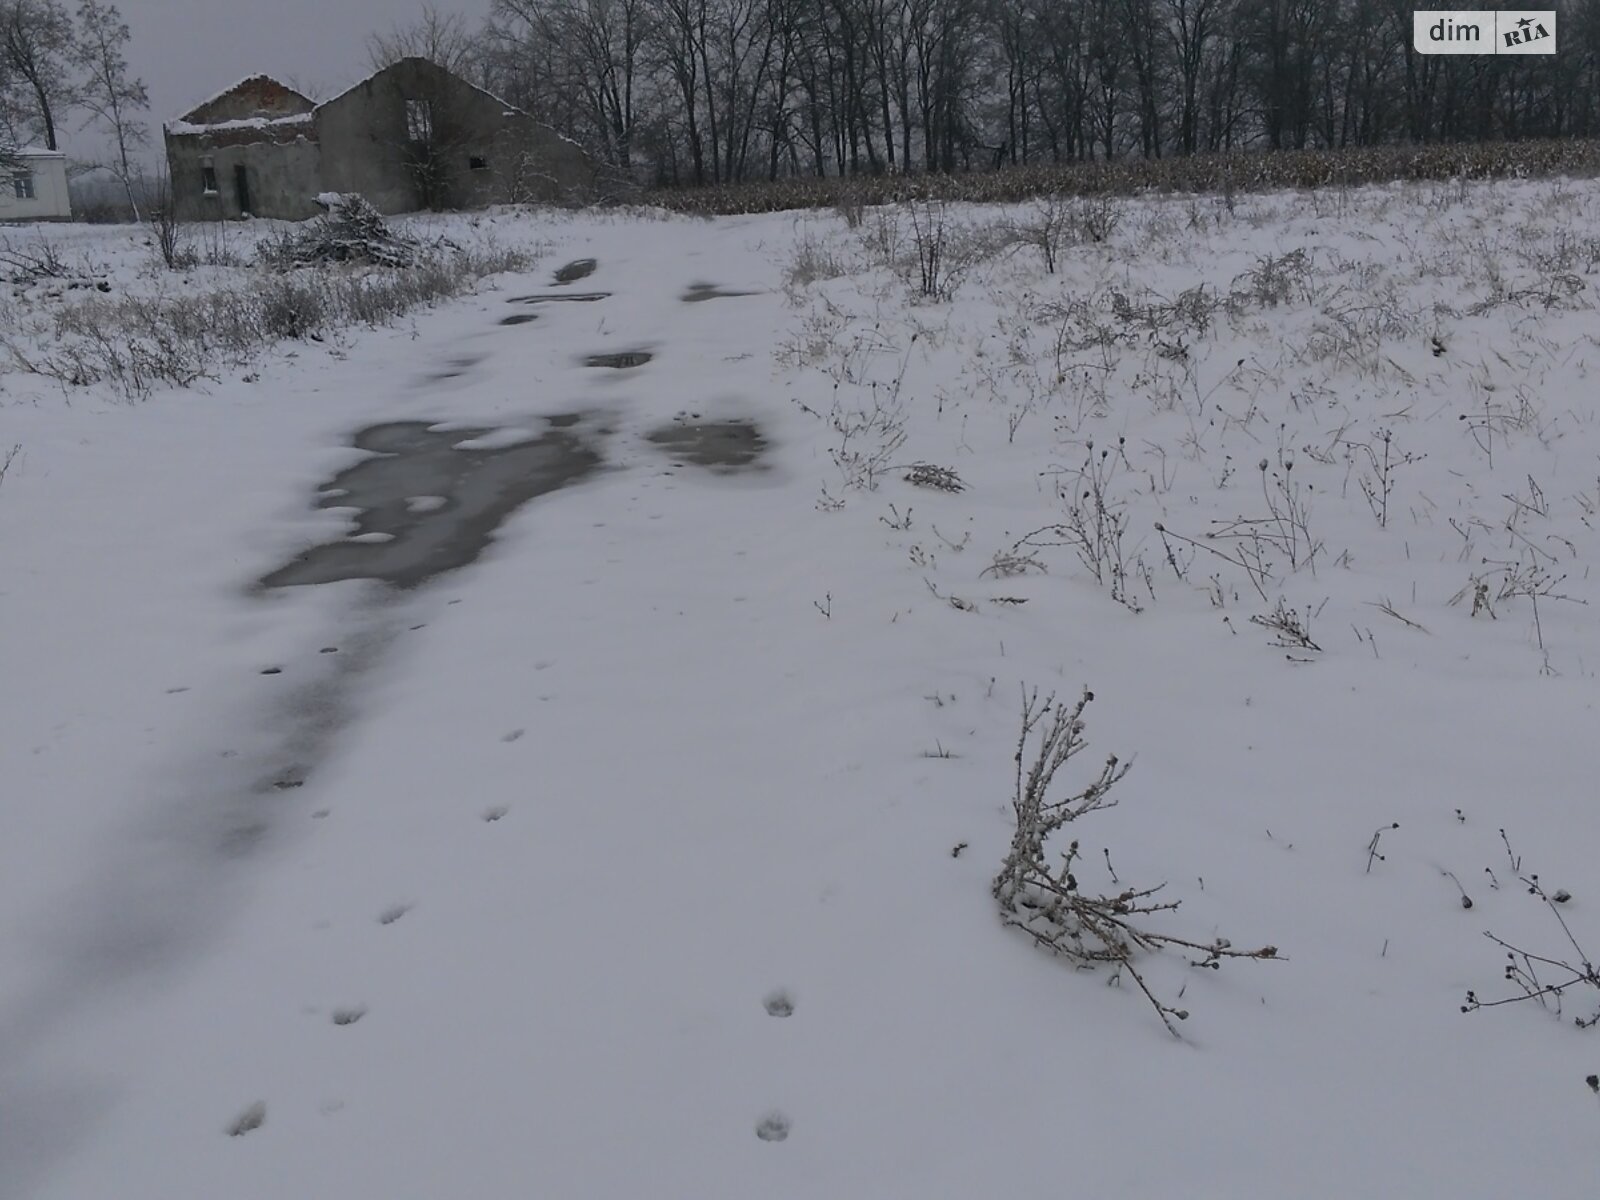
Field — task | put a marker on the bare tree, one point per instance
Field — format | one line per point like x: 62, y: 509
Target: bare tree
x: 111, y: 96
x: 442, y: 38
x: 8, y: 112
x: 590, y: 49
x: 9, y: 141
x: 606, y: 39
x: 36, y: 46
x: 1191, y: 25
x: 716, y: 91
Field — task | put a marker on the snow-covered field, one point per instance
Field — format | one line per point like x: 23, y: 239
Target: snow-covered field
x: 675, y: 817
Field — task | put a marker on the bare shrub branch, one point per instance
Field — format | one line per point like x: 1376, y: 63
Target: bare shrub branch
x: 1544, y: 979
x: 1044, y: 900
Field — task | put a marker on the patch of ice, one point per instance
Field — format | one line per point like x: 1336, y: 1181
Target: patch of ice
x: 500, y: 439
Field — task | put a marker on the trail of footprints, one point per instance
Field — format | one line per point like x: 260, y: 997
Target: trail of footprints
x: 774, y: 1125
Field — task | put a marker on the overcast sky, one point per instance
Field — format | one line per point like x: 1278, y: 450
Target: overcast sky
x: 185, y: 50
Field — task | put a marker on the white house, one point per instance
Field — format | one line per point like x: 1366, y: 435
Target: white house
x: 35, y: 190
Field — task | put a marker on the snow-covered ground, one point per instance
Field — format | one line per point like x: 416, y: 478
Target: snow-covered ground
x: 688, y: 745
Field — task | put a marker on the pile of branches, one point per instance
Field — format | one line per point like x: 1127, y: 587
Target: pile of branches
x: 351, y: 231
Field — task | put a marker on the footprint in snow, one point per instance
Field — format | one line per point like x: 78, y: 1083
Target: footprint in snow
x: 513, y: 735
x: 349, y: 1016
x: 393, y: 913
x: 779, y: 1004
x: 774, y: 1127
x: 495, y: 813
x: 289, y: 778
x: 251, y: 1118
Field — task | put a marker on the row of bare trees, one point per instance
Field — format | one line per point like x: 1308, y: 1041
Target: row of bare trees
x: 704, y: 91
x: 711, y: 91
x: 57, y: 65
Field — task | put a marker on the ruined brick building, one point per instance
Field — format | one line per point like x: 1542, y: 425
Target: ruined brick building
x: 412, y: 136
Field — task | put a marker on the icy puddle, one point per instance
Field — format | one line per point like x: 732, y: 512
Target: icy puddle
x: 621, y: 361
x: 552, y: 297
x: 429, y: 504
x: 728, y: 444
x: 710, y: 291
x: 580, y: 269
x: 455, y: 368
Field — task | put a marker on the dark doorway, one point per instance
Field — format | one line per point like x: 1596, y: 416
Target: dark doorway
x: 241, y: 186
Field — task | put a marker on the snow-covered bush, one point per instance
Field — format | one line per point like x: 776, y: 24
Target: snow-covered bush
x: 1046, y: 901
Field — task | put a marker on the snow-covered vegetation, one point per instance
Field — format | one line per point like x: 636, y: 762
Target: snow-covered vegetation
x: 706, y: 838
x: 173, y: 304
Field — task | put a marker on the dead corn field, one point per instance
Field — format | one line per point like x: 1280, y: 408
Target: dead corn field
x: 1238, y: 171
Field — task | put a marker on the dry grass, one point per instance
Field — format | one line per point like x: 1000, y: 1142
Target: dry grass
x: 137, y: 343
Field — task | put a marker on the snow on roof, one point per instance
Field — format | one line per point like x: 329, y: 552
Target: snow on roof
x: 239, y: 83
x: 182, y: 127
x: 185, y: 127
x: 38, y: 152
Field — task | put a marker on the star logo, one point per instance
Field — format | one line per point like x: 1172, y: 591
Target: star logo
x: 1525, y: 22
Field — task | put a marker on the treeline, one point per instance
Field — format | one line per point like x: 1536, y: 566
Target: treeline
x: 723, y: 91
x: 718, y: 91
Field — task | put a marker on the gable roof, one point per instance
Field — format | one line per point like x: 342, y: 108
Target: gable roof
x: 183, y: 117
x: 509, y: 108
